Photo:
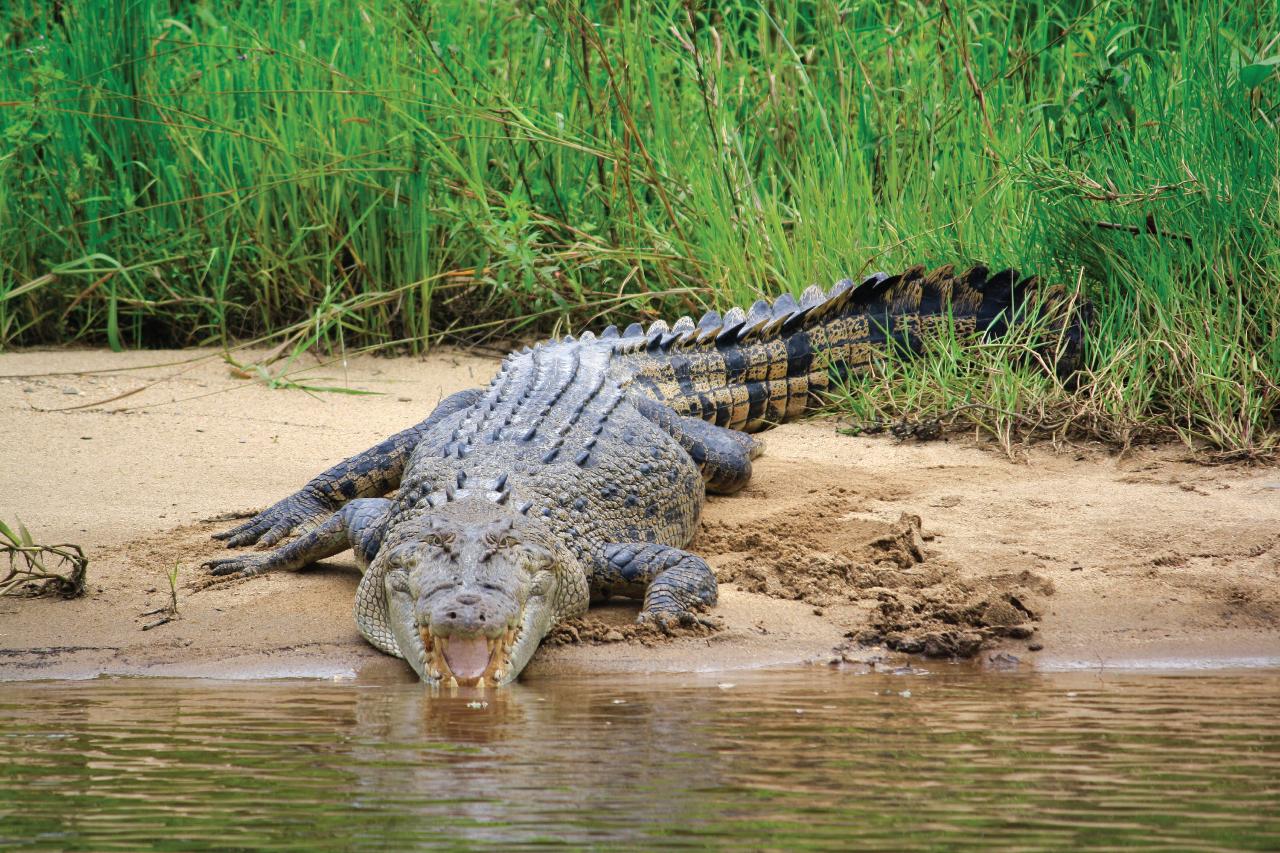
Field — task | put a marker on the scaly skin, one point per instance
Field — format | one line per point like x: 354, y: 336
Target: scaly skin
x: 581, y: 470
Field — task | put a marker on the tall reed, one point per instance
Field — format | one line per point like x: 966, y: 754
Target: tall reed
x: 395, y: 172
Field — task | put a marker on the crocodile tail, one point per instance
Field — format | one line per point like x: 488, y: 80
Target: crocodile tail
x: 752, y: 369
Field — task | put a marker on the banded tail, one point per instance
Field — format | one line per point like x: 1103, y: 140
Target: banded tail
x: 751, y: 370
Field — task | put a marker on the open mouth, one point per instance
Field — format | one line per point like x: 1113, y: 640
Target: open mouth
x: 469, y: 661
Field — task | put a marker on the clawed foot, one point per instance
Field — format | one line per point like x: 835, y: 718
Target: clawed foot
x: 293, y: 514
x: 239, y: 566
x: 673, y: 622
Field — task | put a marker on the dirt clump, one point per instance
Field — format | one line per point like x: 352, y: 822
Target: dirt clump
x: 917, y: 602
x: 958, y: 617
x: 589, y: 630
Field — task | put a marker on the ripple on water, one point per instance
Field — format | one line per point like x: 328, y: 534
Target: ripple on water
x: 778, y: 759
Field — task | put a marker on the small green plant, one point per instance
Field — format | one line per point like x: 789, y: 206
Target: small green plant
x: 36, y: 569
x: 173, y: 587
x: 168, y: 612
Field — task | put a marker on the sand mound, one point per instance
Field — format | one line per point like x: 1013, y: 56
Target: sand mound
x: 824, y: 556
x: 832, y: 554
x: 957, y: 618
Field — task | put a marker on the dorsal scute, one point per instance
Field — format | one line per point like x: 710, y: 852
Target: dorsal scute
x: 906, y: 294
x: 976, y: 277
x: 708, y: 327
x: 940, y: 284
x: 784, y: 306
x: 972, y: 286
x: 916, y: 289
x: 813, y: 294
x: 871, y: 287
x: 683, y: 333
x: 836, y: 297
x: 657, y: 334
x: 1000, y: 281
x: 758, y: 319
x: 656, y: 330
x: 733, y: 320
x: 846, y: 284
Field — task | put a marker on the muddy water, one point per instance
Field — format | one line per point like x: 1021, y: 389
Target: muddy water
x: 773, y: 759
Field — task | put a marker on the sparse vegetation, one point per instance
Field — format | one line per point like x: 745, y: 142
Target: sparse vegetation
x: 168, y: 612
x: 35, y: 569
x: 384, y: 174
x: 172, y: 575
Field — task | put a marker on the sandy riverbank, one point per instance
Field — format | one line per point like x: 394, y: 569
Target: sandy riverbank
x: 1145, y: 559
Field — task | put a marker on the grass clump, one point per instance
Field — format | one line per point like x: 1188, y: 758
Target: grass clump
x: 387, y: 173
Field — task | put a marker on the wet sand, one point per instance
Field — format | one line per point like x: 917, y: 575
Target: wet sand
x: 1093, y: 559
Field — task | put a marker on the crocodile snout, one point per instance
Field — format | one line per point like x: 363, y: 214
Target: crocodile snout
x: 468, y: 613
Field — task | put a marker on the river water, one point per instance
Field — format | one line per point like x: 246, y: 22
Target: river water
x: 769, y: 759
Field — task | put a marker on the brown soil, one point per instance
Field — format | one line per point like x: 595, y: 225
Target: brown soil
x: 918, y: 602
x: 596, y: 632
x: 840, y: 548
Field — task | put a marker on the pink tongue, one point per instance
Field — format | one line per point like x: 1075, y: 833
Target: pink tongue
x: 467, y: 658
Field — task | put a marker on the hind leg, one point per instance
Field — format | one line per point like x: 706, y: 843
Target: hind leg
x: 723, y: 454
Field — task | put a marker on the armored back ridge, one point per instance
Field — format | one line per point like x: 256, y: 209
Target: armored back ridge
x: 581, y: 470
x: 749, y: 370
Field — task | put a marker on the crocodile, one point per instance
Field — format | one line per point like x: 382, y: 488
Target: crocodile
x: 580, y: 471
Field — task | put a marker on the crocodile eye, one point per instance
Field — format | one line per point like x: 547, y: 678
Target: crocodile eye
x: 435, y: 540
x: 508, y: 542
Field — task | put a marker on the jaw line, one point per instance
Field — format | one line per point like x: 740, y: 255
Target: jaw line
x: 534, y: 625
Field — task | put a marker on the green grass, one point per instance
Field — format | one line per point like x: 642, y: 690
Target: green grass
x: 388, y: 173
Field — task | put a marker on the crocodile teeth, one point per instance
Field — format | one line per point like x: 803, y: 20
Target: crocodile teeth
x: 498, y: 650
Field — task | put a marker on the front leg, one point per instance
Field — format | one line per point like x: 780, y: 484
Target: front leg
x: 675, y: 584
x: 359, y: 525
x: 366, y: 475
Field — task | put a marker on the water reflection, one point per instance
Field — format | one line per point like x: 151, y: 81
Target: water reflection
x: 776, y: 759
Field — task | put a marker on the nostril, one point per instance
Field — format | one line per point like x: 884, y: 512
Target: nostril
x: 453, y: 614
x: 481, y: 617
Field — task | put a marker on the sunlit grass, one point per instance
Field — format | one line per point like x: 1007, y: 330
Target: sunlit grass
x: 391, y: 173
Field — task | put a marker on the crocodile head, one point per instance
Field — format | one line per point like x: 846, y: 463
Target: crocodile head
x: 472, y: 587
